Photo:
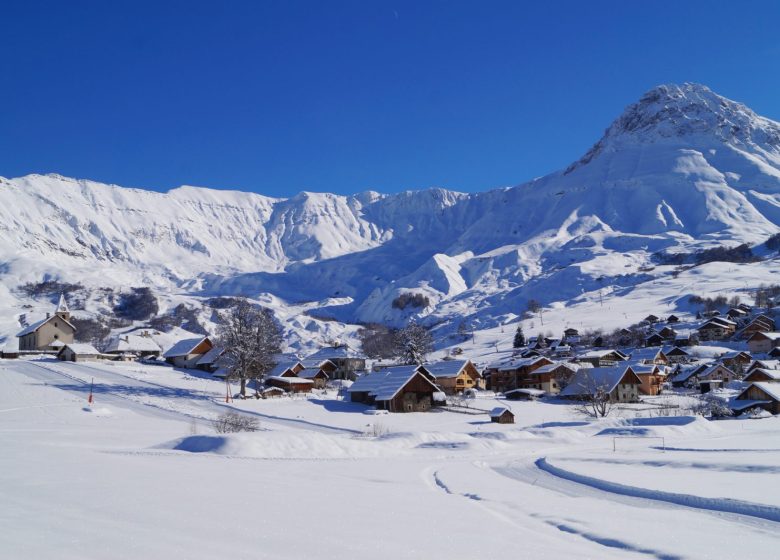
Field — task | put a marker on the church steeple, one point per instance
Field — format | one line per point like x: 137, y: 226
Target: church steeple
x: 62, y: 308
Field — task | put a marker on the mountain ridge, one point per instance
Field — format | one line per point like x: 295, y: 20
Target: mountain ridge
x: 680, y: 169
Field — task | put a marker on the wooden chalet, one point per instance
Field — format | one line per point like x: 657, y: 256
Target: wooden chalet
x: 717, y: 328
x: 655, y: 339
x: 736, y: 314
x: 651, y: 319
x: 548, y: 378
x: 672, y: 319
x: 507, y: 375
x: 502, y: 415
x: 620, y: 382
x: 133, y: 344
x: 677, y: 355
x: 649, y: 356
x: 762, y: 375
x: 318, y: 376
x: 397, y: 389
x: 186, y: 353
x: 455, y: 376
x: 668, y: 333
x: 763, y: 364
x: 523, y: 394
x: 736, y: 361
x: 763, y: 342
x: 650, y: 376
x: 603, y: 358
x: 704, y: 372
x: 347, y: 360
x: 289, y: 383
x: 760, y: 323
x: 758, y: 395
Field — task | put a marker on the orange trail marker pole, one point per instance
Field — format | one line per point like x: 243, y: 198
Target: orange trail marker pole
x: 91, y: 384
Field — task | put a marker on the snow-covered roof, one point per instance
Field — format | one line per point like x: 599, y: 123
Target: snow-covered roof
x: 82, y: 348
x: 601, y: 353
x: 531, y: 392
x: 718, y: 321
x: 517, y: 363
x: 280, y: 368
x: 768, y: 387
x: 770, y: 335
x: 334, y: 352
x: 184, y: 347
x: 770, y: 373
x: 765, y: 364
x: 289, y: 379
x: 585, y: 382
x: 498, y: 411
x: 446, y: 368
x: 132, y: 343
x: 739, y: 404
x: 38, y: 324
x: 211, y: 356
x: 312, y: 373
x: 553, y: 366
x: 56, y: 344
x: 315, y: 363
x: 385, y: 384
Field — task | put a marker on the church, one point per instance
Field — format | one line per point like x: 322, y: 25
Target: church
x: 49, y: 334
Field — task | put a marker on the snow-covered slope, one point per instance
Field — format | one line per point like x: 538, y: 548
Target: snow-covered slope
x: 682, y: 168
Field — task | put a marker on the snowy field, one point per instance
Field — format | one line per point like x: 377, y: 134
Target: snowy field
x: 142, y: 474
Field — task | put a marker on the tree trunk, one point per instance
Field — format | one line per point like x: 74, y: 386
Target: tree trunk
x: 243, y: 388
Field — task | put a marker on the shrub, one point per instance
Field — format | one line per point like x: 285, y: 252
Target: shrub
x: 773, y: 243
x: 231, y: 422
x: 411, y: 299
x: 137, y: 304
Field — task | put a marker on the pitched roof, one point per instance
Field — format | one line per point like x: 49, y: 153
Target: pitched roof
x: 280, y: 368
x: 81, y: 348
x: 768, y: 387
x: 132, y: 343
x: 385, y: 384
x: 289, y: 380
x: 555, y: 365
x: 184, y: 347
x: 516, y: 363
x: 446, y: 368
x: 770, y: 373
x: 586, y: 381
x: 498, y: 411
x: 601, y: 353
x: 315, y: 363
x: 311, y: 373
x: 770, y: 335
x: 334, y: 352
x: 38, y: 324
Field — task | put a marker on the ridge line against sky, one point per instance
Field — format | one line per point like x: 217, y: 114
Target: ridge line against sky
x: 278, y: 98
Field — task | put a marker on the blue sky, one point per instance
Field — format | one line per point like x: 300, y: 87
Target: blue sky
x: 279, y: 97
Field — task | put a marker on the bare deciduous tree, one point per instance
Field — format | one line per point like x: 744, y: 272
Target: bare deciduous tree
x: 596, y: 400
x: 413, y: 343
x: 251, y: 337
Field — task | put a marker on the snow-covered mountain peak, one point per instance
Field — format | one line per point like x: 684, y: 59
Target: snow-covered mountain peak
x: 690, y: 114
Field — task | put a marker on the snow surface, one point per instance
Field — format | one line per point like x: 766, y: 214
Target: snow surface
x: 142, y: 473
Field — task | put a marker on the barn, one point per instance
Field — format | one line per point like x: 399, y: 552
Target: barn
x: 397, y: 389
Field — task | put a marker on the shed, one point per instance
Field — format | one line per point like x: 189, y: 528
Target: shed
x: 502, y: 415
x: 78, y: 352
x: 523, y: 394
x: 186, y: 353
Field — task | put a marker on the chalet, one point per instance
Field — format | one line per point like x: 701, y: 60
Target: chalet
x: 397, y: 389
x: 682, y: 341
x: 523, y: 394
x: 717, y: 328
x: 562, y: 351
x: 651, y: 319
x: 767, y: 375
x: 318, y: 376
x: 736, y: 361
x: 325, y: 365
x: 760, y: 323
x: 672, y: 319
x: 344, y: 357
x: 758, y: 395
x: 548, y: 378
x: 705, y: 372
x: 735, y: 314
x: 745, y: 307
x: 455, y: 376
x: 677, y: 355
x: 706, y: 386
x: 603, y: 358
x: 507, y: 375
x: 763, y: 342
x: 654, y: 339
x: 620, y: 383
x: 650, y: 376
x: 763, y: 364
x: 774, y: 352
x: 668, y: 333
x: 502, y: 415
x: 210, y: 361
x: 49, y: 334
x: 78, y: 352
x: 571, y: 336
x: 289, y: 383
x: 186, y: 353
x: 272, y: 392
x: 133, y: 344
x: 649, y: 356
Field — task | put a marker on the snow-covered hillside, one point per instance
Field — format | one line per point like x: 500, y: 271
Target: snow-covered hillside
x: 681, y: 169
